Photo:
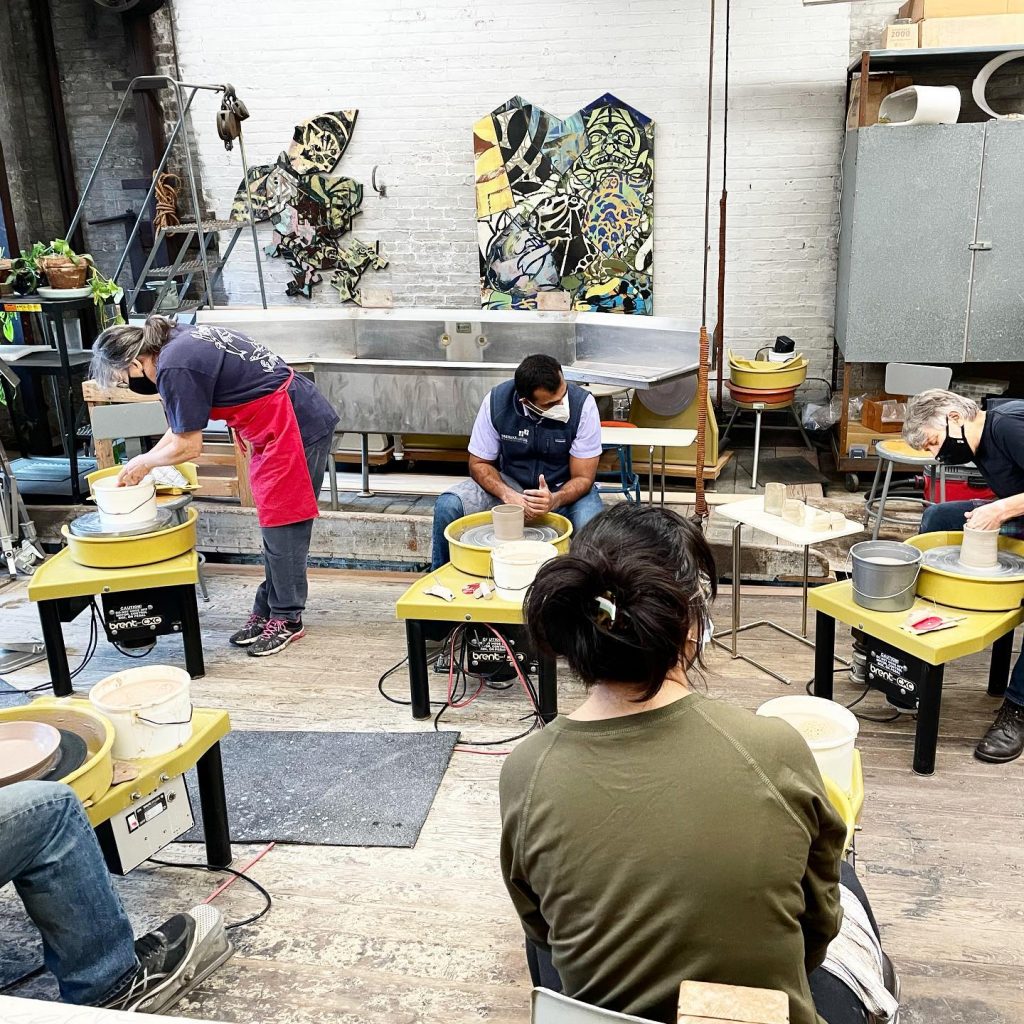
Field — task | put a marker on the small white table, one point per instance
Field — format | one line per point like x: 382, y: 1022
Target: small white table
x: 751, y: 513
x: 650, y: 438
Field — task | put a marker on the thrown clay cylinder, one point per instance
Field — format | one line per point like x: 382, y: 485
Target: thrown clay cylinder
x: 980, y: 548
x: 508, y: 522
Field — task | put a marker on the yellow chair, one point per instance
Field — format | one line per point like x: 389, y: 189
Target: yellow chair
x: 848, y: 804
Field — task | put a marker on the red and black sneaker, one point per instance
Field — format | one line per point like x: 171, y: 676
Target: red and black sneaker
x: 276, y: 636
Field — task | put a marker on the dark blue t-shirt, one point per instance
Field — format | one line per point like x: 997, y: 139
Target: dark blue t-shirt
x: 206, y: 365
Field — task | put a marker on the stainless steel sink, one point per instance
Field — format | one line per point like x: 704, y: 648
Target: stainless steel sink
x: 426, y: 371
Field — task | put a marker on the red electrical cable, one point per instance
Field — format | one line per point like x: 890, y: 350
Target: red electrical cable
x: 234, y: 878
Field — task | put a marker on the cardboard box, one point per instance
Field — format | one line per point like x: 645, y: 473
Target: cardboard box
x: 872, y: 414
x: 858, y: 436
x: 996, y: 30
x: 702, y: 1002
x: 918, y: 10
x: 901, y: 37
x: 879, y: 86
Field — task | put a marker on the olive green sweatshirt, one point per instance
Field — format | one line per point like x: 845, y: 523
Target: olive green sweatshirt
x: 691, y: 842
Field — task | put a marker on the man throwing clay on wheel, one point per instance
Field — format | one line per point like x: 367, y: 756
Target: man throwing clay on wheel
x: 536, y: 442
x: 955, y: 431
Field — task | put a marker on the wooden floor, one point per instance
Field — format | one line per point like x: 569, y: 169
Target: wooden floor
x: 428, y: 934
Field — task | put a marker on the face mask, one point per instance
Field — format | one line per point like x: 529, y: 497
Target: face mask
x: 955, y: 451
x: 142, y: 386
x: 559, y: 412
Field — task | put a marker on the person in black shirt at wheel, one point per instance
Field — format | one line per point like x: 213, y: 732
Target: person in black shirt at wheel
x: 955, y: 431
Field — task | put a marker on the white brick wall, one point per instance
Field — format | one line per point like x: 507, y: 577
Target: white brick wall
x: 422, y: 72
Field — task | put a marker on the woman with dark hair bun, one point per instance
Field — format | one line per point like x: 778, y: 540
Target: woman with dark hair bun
x: 656, y: 835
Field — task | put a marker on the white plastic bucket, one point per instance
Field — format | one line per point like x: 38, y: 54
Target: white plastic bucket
x: 829, y: 729
x: 124, y: 507
x: 514, y: 566
x: 150, y: 709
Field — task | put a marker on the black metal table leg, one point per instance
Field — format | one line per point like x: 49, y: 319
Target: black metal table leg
x: 824, y: 654
x: 547, y: 679
x: 419, y: 685
x: 56, y: 652
x: 191, y: 632
x: 999, y: 666
x: 927, y: 736
x: 215, y: 808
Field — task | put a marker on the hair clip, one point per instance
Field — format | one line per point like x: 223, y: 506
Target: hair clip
x: 607, y: 612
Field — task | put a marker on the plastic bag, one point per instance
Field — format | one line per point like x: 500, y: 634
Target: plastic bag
x: 822, y: 417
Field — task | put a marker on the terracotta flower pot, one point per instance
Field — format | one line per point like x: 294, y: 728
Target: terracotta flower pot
x: 5, y: 272
x: 62, y: 272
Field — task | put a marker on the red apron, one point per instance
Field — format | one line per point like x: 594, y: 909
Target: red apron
x: 278, y: 473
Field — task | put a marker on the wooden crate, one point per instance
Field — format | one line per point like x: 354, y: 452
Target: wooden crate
x: 223, y: 467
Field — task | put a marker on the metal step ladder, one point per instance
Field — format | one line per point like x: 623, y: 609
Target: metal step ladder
x: 205, y: 265
x: 179, y: 275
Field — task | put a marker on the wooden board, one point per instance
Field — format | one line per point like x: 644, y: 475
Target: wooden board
x: 428, y: 935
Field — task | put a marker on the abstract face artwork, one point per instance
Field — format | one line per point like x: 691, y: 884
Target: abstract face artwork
x: 566, y: 206
x: 311, y: 208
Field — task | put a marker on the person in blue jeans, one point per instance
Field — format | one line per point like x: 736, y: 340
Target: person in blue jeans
x: 536, y: 442
x: 956, y: 431
x: 49, y: 851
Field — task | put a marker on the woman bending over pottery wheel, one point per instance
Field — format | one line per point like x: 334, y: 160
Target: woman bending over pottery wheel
x: 205, y: 373
x: 955, y: 431
x: 656, y: 835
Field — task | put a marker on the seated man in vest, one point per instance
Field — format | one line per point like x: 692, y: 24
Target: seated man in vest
x: 536, y: 443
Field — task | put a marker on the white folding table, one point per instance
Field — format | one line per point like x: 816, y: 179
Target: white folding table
x: 650, y: 438
x: 750, y: 512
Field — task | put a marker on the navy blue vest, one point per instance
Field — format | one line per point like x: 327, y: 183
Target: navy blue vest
x: 531, y: 445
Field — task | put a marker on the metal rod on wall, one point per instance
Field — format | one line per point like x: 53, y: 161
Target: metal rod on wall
x: 723, y: 204
x: 700, y: 504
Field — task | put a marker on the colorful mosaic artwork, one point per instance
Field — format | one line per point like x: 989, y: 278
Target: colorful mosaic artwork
x: 566, y: 206
x: 311, y: 208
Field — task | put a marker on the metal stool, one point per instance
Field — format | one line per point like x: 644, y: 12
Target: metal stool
x: 890, y: 453
x: 757, y: 408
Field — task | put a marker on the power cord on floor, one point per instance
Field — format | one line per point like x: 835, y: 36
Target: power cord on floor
x: 90, y: 652
x: 858, y: 699
x: 267, y: 899
x: 459, y: 682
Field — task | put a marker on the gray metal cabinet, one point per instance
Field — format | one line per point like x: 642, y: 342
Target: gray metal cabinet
x: 931, y: 246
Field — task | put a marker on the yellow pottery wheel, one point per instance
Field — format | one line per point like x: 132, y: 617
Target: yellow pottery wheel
x: 762, y: 375
x: 123, y: 552
x: 972, y: 593
x: 476, y: 560
x: 93, y: 778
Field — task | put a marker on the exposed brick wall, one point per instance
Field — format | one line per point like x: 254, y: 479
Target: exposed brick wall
x: 25, y: 128
x: 421, y: 73
x: 92, y: 55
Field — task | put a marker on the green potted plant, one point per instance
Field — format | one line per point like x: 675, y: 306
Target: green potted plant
x: 54, y: 268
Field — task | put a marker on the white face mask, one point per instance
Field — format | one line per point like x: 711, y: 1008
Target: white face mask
x: 559, y: 412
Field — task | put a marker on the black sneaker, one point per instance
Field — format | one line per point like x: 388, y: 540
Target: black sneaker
x: 276, y: 636
x: 1004, y: 740
x: 174, y: 959
x: 250, y: 632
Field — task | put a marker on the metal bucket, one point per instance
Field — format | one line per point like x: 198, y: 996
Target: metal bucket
x: 885, y: 575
